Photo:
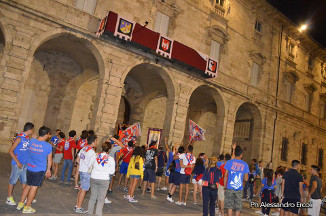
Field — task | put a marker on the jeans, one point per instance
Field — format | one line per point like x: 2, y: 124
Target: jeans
x: 70, y: 165
x: 17, y: 173
x: 209, y: 196
x: 98, y: 193
x: 251, y: 186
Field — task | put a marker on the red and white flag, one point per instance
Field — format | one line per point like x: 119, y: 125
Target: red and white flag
x: 196, y: 133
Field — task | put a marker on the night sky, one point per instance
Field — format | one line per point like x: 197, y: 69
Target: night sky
x: 311, y: 12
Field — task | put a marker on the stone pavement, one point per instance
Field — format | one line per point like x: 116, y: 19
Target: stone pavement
x: 54, y: 198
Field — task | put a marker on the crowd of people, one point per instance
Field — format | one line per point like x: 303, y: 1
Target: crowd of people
x: 222, y: 182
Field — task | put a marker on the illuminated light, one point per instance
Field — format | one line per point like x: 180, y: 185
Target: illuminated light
x: 303, y: 28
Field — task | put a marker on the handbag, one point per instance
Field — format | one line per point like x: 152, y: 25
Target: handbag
x: 188, y: 170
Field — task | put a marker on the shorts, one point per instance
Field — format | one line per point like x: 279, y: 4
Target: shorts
x: 233, y: 199
x: 159, y: 172
x: 220, y: 193
x: 182, y: 179
x: 149, y: 175
x: 171, y: 177
x: 35, y: 178
x: 200, y: 182
x: 294, y: 210
x: 17, y: 173
x: 315, y: 210
x: 85, y: 180
x: 57, y: 158
x: 124, y: 168
x: 135, y: 176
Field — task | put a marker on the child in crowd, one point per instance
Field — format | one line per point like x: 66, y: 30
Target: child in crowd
x: 103, y: 167
x: 135, y: 172
x: 197, y: 178
x: 268, y: 189
x: 58, y: 155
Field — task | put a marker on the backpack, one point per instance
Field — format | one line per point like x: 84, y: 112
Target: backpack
x: 251, y: 178
x: 172, y: 166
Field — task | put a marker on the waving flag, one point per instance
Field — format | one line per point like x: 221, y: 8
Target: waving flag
x: 130, y: 134
x: 196, y: 133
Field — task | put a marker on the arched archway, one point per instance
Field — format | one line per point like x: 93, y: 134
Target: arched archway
x: 62, y: 84
x: 206, y: 108
x: 248, y: 130
x: 147, y: 90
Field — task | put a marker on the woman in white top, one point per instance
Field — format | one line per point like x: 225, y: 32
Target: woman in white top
x: 103, y: 166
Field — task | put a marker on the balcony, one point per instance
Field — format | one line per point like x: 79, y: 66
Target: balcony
x: 219, y: 10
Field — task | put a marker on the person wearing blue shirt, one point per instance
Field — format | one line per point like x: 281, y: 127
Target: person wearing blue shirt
x: 55, y: 139
x: 235, y: 171
x: 220, y: 161
x: 268, y: 188
x: 39, y: 163
x: 18, y: 153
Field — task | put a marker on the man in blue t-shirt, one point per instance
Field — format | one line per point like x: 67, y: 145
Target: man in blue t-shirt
x: 18, y: 153
x: 235, y: 171
x: 55, y: 139
x: 39, y: 163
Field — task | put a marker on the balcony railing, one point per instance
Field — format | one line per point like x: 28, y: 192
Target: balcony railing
x: 218, y: 9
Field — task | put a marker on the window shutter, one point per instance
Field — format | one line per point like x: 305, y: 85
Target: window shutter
x: 80, y: 4
x: 89, y: 6
x: 215, y: 50
x: 162, y: 23
x: 254, y: 74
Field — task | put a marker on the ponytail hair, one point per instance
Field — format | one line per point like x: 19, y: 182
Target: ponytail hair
x: 269, y: 176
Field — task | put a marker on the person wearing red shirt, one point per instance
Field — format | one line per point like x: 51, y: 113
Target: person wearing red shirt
x: 125, y: 156
x: 58, y: 155
x: 221, y: 182
x: 68, y: 156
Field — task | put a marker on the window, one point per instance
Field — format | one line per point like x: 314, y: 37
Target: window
x: 86, y: 5
x: 288, y: 91
x: 309, y: 98
x: 320, y: 158
x: 220, y: 2
x: 242, y: 129
x: 162, y: 23
x: 258, y: 26
x: 323, y: 110
x: 310, y: 62
x: 255, y: 70
x: 304, y: 150
x: 284, y: 150
x: 291, y: 48
x: 215, y: 50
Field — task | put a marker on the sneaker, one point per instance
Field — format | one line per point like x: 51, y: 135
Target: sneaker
x: 77, y: 188
x: 158, y: 188
x: 110, y: 191
x: 107, y: 201
x: 148, y: 190
x: 53, y: 178
x: 10, y: 201
x: 139, y: 187
x: 81, y: 211
x: 178, y: 203
x: 125, y: 189
x: 170, y: 199
x: 28, y: 210
x: 34, y: 201
x: 258, y: 212
x: 154, y: 197
x: 244, y: 199
x: 20, y: 206
x: 126, y: 196
x: 119, y: 187
x: 75, y: 207
x: 164, y: 188
x: 183, y: 203
x: 72, y: 178
x: 196, y: 204
x: 132, y: 200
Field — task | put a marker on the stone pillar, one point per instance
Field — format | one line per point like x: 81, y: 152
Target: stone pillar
x: 13, y: 66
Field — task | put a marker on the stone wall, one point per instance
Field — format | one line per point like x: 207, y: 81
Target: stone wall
x: 54, y: 71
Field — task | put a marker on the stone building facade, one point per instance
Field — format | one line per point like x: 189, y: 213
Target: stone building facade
x: 269, y: 95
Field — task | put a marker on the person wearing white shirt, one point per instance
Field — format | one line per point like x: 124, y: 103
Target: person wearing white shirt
x: 187, y: 163
x: 103, y: 167
x: 84, y: 159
